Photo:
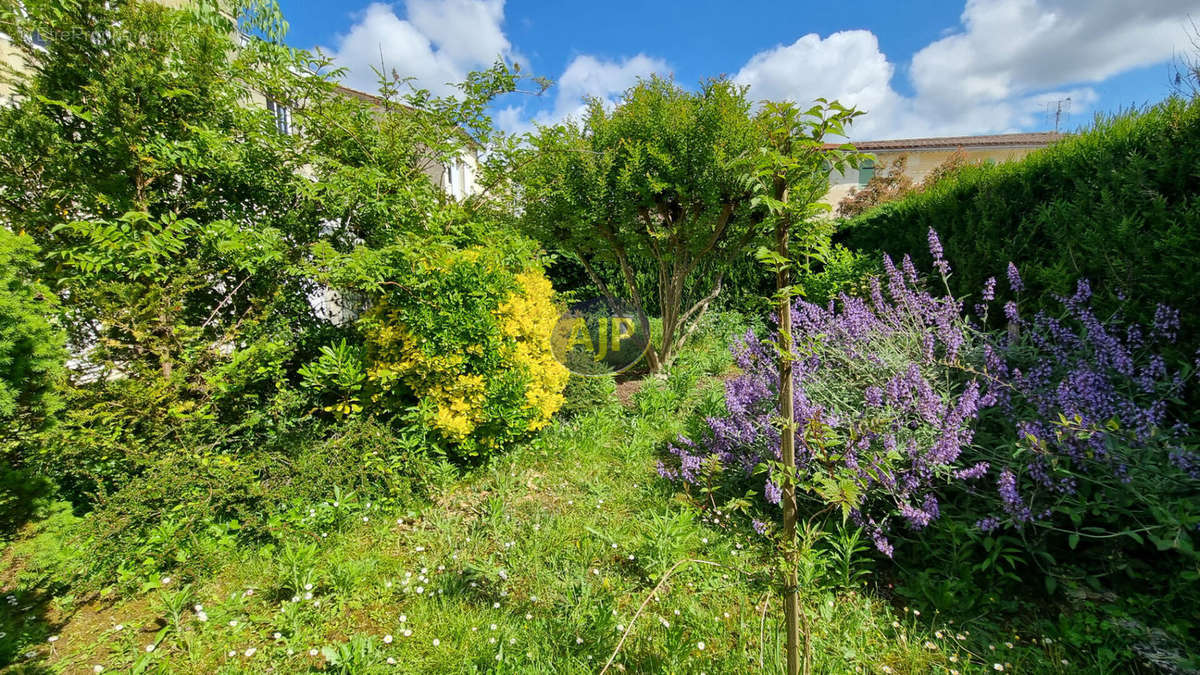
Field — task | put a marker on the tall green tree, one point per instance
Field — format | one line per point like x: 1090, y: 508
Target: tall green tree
x: 662, y: 185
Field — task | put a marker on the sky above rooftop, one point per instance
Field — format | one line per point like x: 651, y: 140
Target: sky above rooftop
x: 926, y: 68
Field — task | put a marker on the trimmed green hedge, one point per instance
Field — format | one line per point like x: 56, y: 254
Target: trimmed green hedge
x: 1118, y: 205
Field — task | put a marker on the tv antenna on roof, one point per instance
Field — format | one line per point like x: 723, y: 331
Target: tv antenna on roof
x: 1060, y: 111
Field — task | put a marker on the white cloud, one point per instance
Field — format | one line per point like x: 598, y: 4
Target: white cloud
x: 437, y: 43
x: 995, y: 74
x: 586, y: 76
x: 1013, y: 48
x: 847, y: 66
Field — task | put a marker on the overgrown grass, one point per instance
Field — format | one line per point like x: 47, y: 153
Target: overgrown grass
x: 537, y: 562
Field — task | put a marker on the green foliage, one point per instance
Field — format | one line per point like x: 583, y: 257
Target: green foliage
x: 656, y: 192
x: 462, y: 337
x: 591, y: 386
x: 842, y: 271
x: 359, y: 654
x: 1116, y: 204
x: 31, y: 345
x: 338, y: 375
x: 184, y: 238
x: 378, y: 461
x: 31, y: 370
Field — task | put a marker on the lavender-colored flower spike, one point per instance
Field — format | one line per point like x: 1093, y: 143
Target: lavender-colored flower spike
x: 935, y: 249
x: 1014, y: 279
x: 989, y: 289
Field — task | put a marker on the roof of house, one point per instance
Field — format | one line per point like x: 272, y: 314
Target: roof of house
x: 1038, y: 139
x: 361, y: 95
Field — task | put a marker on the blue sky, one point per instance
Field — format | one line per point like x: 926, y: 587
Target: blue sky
x: 928, y: 68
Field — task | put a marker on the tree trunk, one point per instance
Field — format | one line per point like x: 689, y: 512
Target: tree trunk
x: 787, y: 449
x: 609, y: 298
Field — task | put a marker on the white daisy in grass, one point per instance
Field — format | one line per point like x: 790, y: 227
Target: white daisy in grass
x: 436, y: 642
x: 250, y: 651
x: 387, y: 639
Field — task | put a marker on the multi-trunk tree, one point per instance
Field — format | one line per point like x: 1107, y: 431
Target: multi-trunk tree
x: 661, y: 185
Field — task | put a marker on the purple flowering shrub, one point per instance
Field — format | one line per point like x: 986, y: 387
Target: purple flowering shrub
x: 884, y: 412
x: 1073, y: 415
x: 1083, y: 435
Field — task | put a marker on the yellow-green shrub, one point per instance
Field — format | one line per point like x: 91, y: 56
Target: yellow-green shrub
x: 465, y: 336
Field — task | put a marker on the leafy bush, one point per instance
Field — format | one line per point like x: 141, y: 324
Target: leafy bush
x: 591, y: 385
x: 373, y: 459
x: 184, y: 510
x: 465, y: 338
x: 1118, y: 204
x: 31, y: 347
x: 31, y: 370
x: 843, y: 271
